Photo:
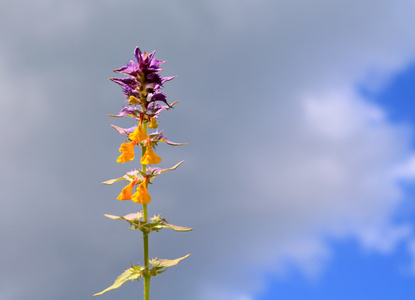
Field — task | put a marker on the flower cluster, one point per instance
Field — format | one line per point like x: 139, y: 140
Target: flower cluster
x: 143, y: 92
x: 144, y: 102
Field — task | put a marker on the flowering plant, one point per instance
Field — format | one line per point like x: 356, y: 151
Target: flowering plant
x: 145, y: 101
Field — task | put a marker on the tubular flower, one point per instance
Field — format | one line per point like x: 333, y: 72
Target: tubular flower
x: 141, y: 196
x: 138, y: 134
x: 153, y: 123
x: 127, y: 192
x: 127, y: 150
x: 149, y: 156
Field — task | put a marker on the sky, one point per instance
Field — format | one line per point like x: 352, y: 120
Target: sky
x: 300, y: 165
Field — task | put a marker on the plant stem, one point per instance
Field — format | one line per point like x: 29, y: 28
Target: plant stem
x: 147, y: 275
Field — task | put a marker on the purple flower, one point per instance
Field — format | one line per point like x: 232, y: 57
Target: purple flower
x: 157, y: 136
x: 155, y: 109
x: 146, y: 64
x: 127, y: 111
x: 129, y: 86
x: 158, y: 97
x: 125, y: 131
x: 144, y: 83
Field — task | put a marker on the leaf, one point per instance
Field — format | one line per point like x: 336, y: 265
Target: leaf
x: 128, y: 177
x: 155, y: 171
x: 151, y: 171
x: 113, y: 217
x: 178, y: 228
x: 159, y: 223
x: 129, y: 274
x: 175, y: 102
x: 172, y: 168
x: 159, y: 137
x: 111, y: 181
x: 119, y: 129
x: 132, y: 218
x: 166, y: 263
x: 168, y: 142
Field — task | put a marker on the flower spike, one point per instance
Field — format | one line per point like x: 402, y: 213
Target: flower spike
x: 144, y: 102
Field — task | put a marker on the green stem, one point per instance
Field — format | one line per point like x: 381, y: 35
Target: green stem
x: 146, y: 275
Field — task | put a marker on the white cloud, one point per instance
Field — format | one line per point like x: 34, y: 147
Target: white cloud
x: 340, y: 116
x: 212, y: 292
x: 406, y: 171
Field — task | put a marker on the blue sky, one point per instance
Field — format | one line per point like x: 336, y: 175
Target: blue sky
x: 299, y: 172
x: 350, y: 275
x: 397, y: 96
x: 354, y: 273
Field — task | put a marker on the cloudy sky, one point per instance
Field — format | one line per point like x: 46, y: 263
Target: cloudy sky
x: 299, y: 172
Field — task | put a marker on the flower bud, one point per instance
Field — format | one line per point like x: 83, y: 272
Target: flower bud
x: 153, y: 124
x: 133, y: 100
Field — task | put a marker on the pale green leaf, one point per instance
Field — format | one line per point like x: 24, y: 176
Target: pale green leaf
x: 155, y: 171
x: 172, y: 168
x: 130, y: 218
x: 129, y: 274
x: 113, y: 217
x: 111, y: 181
x: 178, y: 228
x: 133, y: 217
x: 166, y: 263
x: 159, y: 223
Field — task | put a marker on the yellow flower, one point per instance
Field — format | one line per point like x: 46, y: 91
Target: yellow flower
x: 127, y: 150
x: 141, y: 196
x: 127, y: 191
x: 149, y: 156
x: 153, y: 124
x: 138, y: 134
x: 133, y: 100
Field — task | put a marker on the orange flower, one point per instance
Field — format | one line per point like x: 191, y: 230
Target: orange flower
x: 149, y: 156
x: 138, y: 134
x: 141, y: 196
x: 127, y: 192
x: 127, y: 150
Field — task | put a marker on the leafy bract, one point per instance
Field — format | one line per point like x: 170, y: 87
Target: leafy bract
x: 159, y: 265
x: 132, y: 273
x: 157, y: 223
x: 151, y: 173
